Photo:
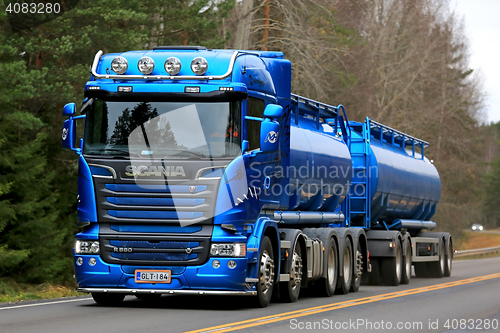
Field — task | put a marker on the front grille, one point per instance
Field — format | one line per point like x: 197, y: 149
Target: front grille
x: 133, y: 248
x: 155, y: 202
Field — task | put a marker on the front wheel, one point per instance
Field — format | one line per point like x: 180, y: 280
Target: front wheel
x: 265, y: 274
x: 108, y: 299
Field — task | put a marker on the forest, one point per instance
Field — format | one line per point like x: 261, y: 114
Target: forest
x: 402, y: 63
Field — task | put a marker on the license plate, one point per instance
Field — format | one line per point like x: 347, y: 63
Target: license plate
x: 152, y: 276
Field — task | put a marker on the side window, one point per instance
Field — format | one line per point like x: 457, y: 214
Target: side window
x: 255, y: 108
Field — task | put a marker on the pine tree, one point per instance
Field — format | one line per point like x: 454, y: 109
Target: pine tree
x: 30, y: 241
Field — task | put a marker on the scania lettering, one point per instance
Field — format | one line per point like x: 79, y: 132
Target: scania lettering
x: 199, y: 172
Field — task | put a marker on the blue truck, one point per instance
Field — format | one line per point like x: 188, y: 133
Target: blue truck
x: 199, y: 172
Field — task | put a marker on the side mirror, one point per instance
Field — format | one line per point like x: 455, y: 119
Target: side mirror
x: 69, y: 109
x: 68, y: 134
x: 273, y: 111
x: 269, y: 135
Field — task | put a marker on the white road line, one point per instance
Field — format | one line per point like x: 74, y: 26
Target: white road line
x: 46, y: 303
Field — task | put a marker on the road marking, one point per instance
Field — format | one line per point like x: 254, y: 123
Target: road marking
x: 46, y: 303
x: 334, y: 306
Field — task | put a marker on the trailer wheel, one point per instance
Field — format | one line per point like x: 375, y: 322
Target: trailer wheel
x: 265, y: 274
x: 358, y: 269
x: 437, y: 268
x: 449, y: 259
x: 405, y: 278
x: 345, y: 280
x: 374, y: 275
x: 421, y: 269
x: 392, y: 268
x: 290, y: 290
x: 106, y: 299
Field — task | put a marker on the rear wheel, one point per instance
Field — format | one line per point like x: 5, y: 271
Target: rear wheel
x: 437, y: 268
x: 326, y: 286
x: 392, y: 268
x: 449, y: 259
x: 405, y: 278
x: 290, y: 290
x: 346, y: 280
x: 421, y: 269
x: 108, y: 299
x: 358, y: 269
x: 265, y: 274
x: 374, y: 275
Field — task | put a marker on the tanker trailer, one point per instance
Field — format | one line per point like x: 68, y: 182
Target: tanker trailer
x: 394, y: 194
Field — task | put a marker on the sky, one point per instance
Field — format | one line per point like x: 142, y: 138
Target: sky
x: 482, y: 27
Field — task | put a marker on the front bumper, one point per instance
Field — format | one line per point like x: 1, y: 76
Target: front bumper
x: 169, y: 292
x: 202, y: 279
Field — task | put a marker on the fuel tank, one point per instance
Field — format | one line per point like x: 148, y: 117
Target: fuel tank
x: 320, y: 167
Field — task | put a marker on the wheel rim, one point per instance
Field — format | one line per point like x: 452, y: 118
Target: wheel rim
x: 408, y: 262
x: 398, y: 263
x: 347, y: 264
x: 331, y: 266
x: 266, y: 272
x: 296, y: 271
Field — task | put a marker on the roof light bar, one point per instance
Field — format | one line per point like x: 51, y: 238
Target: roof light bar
x: 161, y: 77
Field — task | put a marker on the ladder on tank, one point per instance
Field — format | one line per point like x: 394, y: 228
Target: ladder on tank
x: 359, y: 193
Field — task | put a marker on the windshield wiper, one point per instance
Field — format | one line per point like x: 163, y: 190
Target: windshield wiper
x: 185, y: 151
x: 117, y: 150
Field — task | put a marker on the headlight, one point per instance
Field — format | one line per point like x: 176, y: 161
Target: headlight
x: 480, y: 227
x: 146, y: 65
x: 228, y: 250
x: 87, y: 247
x: 173, y: 66
x: 119, y: 65
x: 199, y: 65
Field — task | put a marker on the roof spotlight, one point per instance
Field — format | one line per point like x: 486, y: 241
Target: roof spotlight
x: 146, y: 65
x: 173, y: 66
x: 199, y: 65
x: 119, y: 65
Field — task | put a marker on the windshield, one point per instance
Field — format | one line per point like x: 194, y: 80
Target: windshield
x: 162, y: 129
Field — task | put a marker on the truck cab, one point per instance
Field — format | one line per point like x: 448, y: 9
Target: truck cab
x: 171, y: 177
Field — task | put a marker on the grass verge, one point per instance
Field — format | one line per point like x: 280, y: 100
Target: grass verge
x: 12, y: 291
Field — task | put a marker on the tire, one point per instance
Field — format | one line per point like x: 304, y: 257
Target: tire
x: 345, y: 281
x: 374, y: 275
x: 392, y: 268
x: 357, y: 269
x: 406, y: 276
x: 421, y: 270
x: 289, y: 291
x: 106, y: 299
x: 449, y: 259
x: 326, y: 286
x: 265, y: 274
x: 437, y: 268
